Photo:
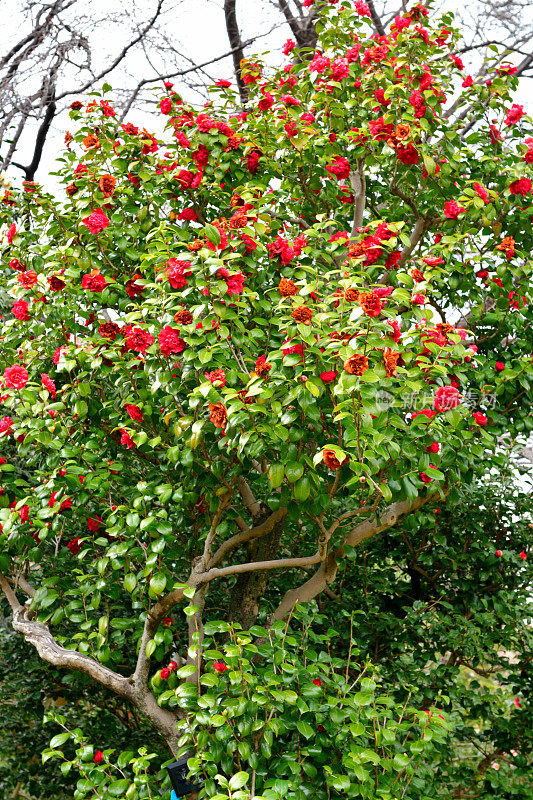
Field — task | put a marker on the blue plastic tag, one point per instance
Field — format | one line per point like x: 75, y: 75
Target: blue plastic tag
x: 173, y: 795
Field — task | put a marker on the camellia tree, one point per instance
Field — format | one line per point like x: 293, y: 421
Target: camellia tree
x: 232, y: 358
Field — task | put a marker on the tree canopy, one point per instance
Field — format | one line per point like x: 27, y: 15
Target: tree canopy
x: 285, y: 348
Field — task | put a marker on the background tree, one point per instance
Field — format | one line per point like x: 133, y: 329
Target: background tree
x: 229, y: 358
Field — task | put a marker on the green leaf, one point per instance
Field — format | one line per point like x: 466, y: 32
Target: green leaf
x: 276, y: 474
x: 130, y: 582
x: 359, y: 772
x: 158, y: 582
x: 238, y: 780
x: 186, y: 671
x: 339, y: 782
x: 302, y: 489
x: 305, y: 728
x: 294, y: 470
x: 212, y: 234
x: 362, y: 698
x: 117, y: 788
x: 429, y: 164
x: 150, y: 648
x: 60, y: 739
x: 400, y: 761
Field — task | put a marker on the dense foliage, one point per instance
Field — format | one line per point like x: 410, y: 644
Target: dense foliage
x: 229, y: 357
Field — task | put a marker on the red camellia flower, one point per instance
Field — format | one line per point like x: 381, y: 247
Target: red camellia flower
x: 498, y: 553
x: 499, y: 366
x: 220, y: 666
x: 126, y: 440
x: 165, y: 105
x: 521, y: 186
x: 217, y: 377
x: 98, y: 757
x: 107, y: 109
x: 289, y: 349
x: 289, y: 45
x: 94, y: 281
x: 340, y: 168
x: 5, y: 424
x: 424, y: 478
x: 218, y: 415
x: 188, y: 215
x: 446, y: 397
x: 317, y: 682
x: 452, y: 209
x: 330, y: 459
x: 134, y: 412
x: 96, y: 222
x: 480, y: 418
x: 48, y: 383
x: 170, y: 341
x: 515, y: 300
x: 94, y: 523
x: 234, y: 283
x: 27, y: 279
x: 407, y: 155
x: 523, y: 555
x: 481, y: 192
x: 177, y: 272
x: 380, y: 130
x: 165, y: 672
x: 167, y: 622
x: 328, y: 377
x: 11, y: 233
x: 109, y: 330
x: 15, y: 377
x: 434, y: 447
x: 133, y: 288
x: 66, y: 503
x: 56, y: 284
x: 58, y: 353
x: 20, y: 310
x: 139, y: 340
x: 75, y: 546
x: 514, y: 114
x: 396, y: 333
x: 371, y: 304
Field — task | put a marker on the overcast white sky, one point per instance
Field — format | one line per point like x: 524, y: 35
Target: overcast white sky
x: 194, y: 28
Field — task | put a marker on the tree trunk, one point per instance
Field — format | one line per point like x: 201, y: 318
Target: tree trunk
x: 251, y: 586
x: 234, y: 36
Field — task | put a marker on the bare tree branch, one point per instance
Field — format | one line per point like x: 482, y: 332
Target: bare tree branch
x: 328, y: 569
